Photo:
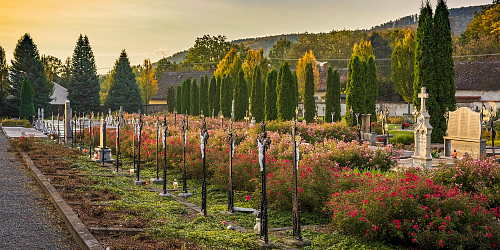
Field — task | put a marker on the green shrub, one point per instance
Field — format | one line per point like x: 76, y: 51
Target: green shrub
x: 405, y: 139
x: 13, y: 123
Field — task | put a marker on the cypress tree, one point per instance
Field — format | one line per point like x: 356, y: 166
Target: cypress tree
x: 285, y: 94
x: 194, y: 99
x: 84, y: 87
x: 309, y: 103
x: 26, y: 110
x: 178, y: 100
x: 271, y: 97
x: 26, y: 64
x: 170, y: 99
x: 257, y: 96
x: 4, y: 79
x: 204, y: 96
x: 241, y: 97
x: 212, y: 97
x: 371, y: 90
x: 123, y: 90
x: 336, y: 96
x: 355, y: 88
x: 186, y: 96
x: 226, y: 96
x: 329, y: 95
x: 217, y: 96
x: 295, y: 86
x: 445, y: 74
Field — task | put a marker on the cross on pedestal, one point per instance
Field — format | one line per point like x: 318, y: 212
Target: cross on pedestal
x: 422, y: 95
x: 246, y: 118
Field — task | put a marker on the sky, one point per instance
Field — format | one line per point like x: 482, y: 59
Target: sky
x: 157, y: 28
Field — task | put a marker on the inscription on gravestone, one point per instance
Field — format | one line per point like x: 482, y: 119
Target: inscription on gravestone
x: 464, y: 134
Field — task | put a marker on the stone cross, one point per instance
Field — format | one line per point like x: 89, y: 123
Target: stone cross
x: 247, y: 118
x: 422, y: 95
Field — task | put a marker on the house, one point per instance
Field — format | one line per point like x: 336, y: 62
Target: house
x: 477, y: 83
x: 58, y: 97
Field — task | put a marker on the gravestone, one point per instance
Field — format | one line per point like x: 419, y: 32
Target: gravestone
x: 464, y: 134
x: 38, y: 119
x: 103, y: 153
x: 366, y: 133
x: 43, y: 122
x: 422, y: 132
x: 68, y: 135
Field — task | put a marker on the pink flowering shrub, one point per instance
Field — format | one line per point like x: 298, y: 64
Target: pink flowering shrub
x: 408, y: 208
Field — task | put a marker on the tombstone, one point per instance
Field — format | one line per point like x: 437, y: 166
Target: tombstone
x: 68, y: 136
x: 103, y: 153
x: 43, y: 122
x: 120, y: 116
x: 464, y: 134
x: 422, y: 131
x: 366, y: 133
x: 38, y: 119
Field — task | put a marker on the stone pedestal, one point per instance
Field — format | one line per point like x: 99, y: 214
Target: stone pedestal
x: 264, y: 246
x: 185, y: 195
x: 103, y: 154
x: 165, y: 195
x: 139, y: 182
x: 156, y: 181
x: 296, y: 243
x: 422, y: 133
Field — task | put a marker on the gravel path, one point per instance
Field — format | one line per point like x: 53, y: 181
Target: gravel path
x: 27, y: 219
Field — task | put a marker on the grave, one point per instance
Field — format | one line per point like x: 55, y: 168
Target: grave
x: 68, y: 136
x: 422, y: 131
x: 103, y: 153
x: 366, y: 133
x: 464, y: 134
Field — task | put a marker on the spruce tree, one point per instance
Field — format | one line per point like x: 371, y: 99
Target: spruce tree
x: 178, y: 99
x: 194, y: 98
x: 257, y: 96
x: 371, y: 90
x: 309, y: 103
x: 26, y: 110
x: 4, y: 79
x: 226, y: 96
x: 84, y: 87
x: 355, y: 89
x: 26, y: 64
x: 271, y: 113
x: 336, y: 96
x: 204, y: 96
x: 186, y: 97
x: 212, y: 97
x: 329, y: 95
x: 240, y: 97
x: 285, y: 102
x: 170, y: 99
x: 445, y: 74
x: 123, y: 90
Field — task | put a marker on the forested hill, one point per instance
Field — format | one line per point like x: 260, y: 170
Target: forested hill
x: 265, y: 42
x: 459, y: 19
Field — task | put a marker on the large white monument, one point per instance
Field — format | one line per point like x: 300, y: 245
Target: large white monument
x: 422, y: 130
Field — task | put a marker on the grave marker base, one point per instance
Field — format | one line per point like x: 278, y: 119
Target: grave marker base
x: 140, y: 182
x: 185, y: 195
x: 156, y: 181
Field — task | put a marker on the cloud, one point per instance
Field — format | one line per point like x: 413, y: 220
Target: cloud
x: 161, y: 51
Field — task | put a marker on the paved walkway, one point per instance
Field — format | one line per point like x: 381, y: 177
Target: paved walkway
x: 26, y: 221
x: 14, y: 132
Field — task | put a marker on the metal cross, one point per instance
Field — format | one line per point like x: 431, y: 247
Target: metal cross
x: 295, y: 139
x: 230, y: 135
x: 263, y: 142
x: 204, y: 134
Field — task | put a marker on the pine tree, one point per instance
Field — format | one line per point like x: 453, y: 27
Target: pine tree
x: 178, y: 99
x: 4, y: 79
x: 204, y: 96
x: 170, y: 99
x: 212, y: 97
x: 271, y: 113
x: 329, y: 96
x: 84, y: 87
x: 26, y: 64
x: 240, y: 97
x: 336, y: 96
x: 186, y: 96
x: 257, y: 96
x: 445, y: 74
x: 371, y: 90
x: 285, y: 94
x: 26, y: 110
x: 309, y: 103
x: 355, y: 88
x: 123, y: 90
x: 226, y: 96
x: 425, y: 69
x: 194, y: 98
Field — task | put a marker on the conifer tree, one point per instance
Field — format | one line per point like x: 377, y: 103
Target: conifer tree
x: 336, y: 96
x: 123, y: 90
x: 329, y: 96
x: 170, y: 99
x: 186, y: 96
x: 4, y: 79
x: 217, y: 95
x: 204, y: 96
x: 309, y: 103
x: 226, y: 96
x: 371, y: 90
x: 26, y: 110
x: 178, y: 99
x: 257, y: 96
x: 296, y: 87
x: 83, y: 87
x: 26, y: 64
x: 212, y: 97
x: 355, y: 89
x: 271, y: 113
x: 194, y: 106
x: 285, y: 102
x: 240, y: 97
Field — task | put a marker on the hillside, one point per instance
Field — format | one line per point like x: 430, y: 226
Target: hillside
x: 265, y: 42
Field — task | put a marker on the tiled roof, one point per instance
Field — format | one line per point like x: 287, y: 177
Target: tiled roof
x: 477, y: 75
x: 322, y: 76
x: 176, y: 78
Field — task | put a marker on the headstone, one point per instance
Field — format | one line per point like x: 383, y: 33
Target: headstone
x: 68, y: 136
x: 422, y: 131
x: 366, y: 133
x: 103, y: 153
x: 464, y: 134
x: 43, y: 121
x: 120, y: 116
x: 39, y: 119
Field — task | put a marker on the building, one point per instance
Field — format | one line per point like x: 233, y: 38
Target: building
x: 175, y: 79
x: 58, y: 97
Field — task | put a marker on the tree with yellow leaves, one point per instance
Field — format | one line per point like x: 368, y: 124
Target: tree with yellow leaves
x: 148, y: 82
x: 230, y: 65
x: 301, y: 72
x: 364, y: 50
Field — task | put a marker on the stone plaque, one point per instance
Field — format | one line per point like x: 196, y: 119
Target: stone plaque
x: 464, y: 134
x: 366, y: 123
